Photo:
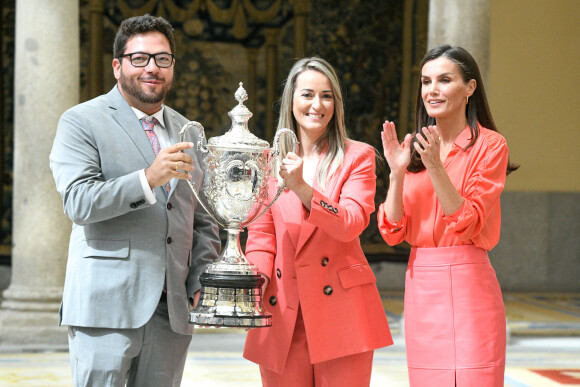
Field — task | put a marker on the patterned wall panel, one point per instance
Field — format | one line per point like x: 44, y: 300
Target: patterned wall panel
x: 216, y: 40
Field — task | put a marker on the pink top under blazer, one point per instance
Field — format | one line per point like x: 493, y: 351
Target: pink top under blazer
x: 315, y: 261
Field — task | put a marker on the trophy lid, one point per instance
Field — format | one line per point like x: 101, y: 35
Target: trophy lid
x: 239, y: 134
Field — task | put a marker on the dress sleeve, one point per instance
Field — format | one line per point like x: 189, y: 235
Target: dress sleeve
x: 392, y: 233
x: 483, y: 186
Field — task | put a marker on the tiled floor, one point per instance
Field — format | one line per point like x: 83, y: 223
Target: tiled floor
x: 543, y: 351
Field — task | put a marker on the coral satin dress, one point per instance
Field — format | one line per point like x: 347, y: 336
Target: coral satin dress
x: 454, y: 313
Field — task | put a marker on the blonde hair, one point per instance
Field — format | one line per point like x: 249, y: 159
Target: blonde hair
x: 335, y: 135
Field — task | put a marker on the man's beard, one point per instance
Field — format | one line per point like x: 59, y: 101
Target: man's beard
x: 133, y: 87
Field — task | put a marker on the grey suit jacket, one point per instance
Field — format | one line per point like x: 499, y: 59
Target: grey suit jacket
x: 121, y: 247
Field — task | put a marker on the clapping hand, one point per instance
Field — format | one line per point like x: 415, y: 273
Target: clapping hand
x: 428, y: 146
x: 398, y: 155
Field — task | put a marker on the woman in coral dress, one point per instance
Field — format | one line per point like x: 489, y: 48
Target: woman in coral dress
x: 444, y: 200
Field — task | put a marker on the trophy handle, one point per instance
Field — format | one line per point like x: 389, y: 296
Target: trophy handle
x: 276, y: 153
x: 200, y: 146
x: 203, y: 149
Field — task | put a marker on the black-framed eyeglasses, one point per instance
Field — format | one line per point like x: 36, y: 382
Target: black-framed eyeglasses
x: 141, y: 59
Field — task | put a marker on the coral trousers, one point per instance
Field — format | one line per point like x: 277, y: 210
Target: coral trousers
x: 347, y: 371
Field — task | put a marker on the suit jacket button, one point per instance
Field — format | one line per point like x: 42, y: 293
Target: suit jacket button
x: 278, y: 273
x: 169, y: 240
x: 133, y: 205
x: 335, y: 210
x: 169, y: 206
x: 324, y: 261
x: 328, y: 290
x: 273, y: 300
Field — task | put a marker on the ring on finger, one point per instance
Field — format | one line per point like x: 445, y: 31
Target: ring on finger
x: 176, y: 165
x: 437, y: 140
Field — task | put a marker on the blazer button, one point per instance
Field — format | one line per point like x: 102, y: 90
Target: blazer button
x: 324, y: 261
x: 169, y: 240
x: 328, y: 290
x: 133, y: 205
x: 169, y: 206
x: 278, y: 273
x: 273, y: 300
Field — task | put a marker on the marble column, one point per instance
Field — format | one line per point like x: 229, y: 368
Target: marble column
x: 462, y: 23
x: 46, y: 84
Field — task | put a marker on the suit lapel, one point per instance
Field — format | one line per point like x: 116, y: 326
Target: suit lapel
x: 125, y: 117
x: 291, y: 209
x: 172, y: 126
x: 308, y: 228
x: 128, y: 122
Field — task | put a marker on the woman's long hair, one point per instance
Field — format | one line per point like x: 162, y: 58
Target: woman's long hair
x: 335, y: 136
x: 477, y: 109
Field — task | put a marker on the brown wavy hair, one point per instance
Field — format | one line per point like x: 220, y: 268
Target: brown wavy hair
x: 477, y: 109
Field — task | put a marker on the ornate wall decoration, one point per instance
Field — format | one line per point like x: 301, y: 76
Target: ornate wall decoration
x: 214, y: 39
x: 239, y: 21
x: 364, y: 41
x: 222, y: 42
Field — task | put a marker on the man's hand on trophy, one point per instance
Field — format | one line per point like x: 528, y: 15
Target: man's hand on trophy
x: 170, y: 163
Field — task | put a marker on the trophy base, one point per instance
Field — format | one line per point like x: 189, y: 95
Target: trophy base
x: 230, y: 300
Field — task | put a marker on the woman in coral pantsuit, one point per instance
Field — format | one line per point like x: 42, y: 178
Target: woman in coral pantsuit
x: 327, y: 315
x: 444, y: 200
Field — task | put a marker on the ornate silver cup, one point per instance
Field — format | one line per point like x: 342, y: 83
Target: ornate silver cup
x: 238, y: 166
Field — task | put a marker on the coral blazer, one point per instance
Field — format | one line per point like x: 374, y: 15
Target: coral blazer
x: 315, y: 261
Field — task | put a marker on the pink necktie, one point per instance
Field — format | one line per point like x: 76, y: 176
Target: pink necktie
x: 148, y: 127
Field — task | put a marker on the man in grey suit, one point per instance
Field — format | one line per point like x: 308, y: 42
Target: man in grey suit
x: 139, y: 238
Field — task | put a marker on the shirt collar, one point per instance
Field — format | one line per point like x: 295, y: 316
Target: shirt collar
x: 159, y: 115
x: 464, y: 138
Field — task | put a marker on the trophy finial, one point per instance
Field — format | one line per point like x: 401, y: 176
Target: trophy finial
x: 241, y: 94
x: 239, y: 134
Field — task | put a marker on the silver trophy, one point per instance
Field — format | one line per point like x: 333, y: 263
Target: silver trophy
x: 238, y: 167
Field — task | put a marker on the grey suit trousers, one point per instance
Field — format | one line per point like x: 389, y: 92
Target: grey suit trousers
x: 150, y: 356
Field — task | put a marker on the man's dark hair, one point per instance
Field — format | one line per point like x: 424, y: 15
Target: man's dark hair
x: 140, y: 25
